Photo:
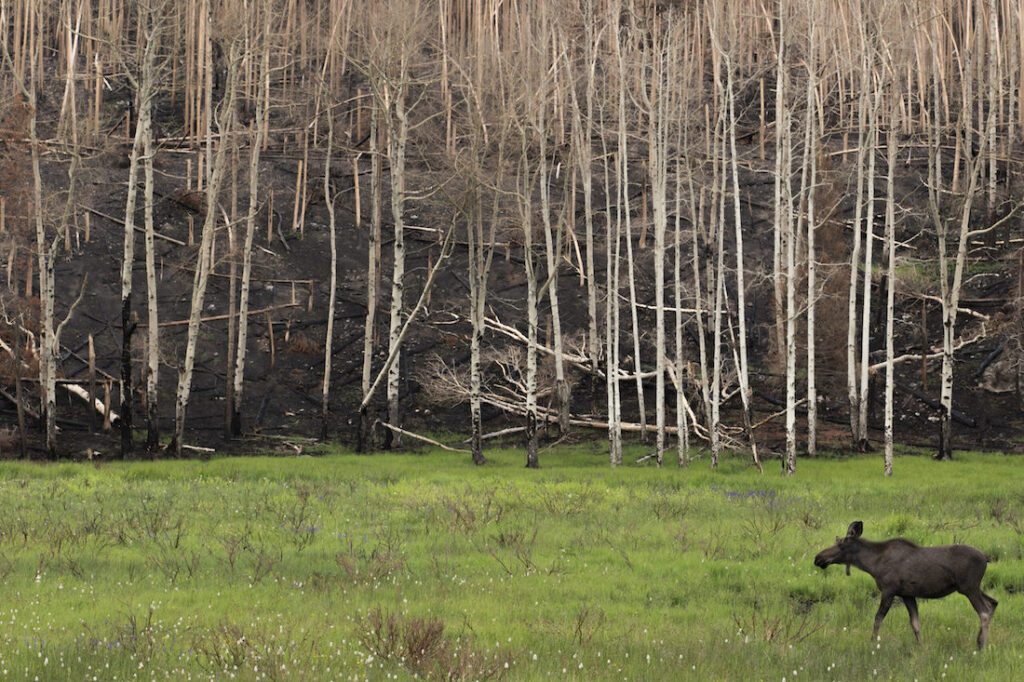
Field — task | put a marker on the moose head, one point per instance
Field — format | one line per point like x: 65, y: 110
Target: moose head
x: 845, y: 551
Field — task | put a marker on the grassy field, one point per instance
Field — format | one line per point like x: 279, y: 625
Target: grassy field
x: 421, y: 565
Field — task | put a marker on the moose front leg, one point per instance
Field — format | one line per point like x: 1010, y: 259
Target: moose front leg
x: 915, y: 622
x: 883, y: 609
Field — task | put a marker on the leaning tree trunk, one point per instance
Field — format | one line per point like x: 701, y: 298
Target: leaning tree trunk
x: 333, y: 298
x: 204, y: 257
x: 256, y: 134
x: 127, y: 266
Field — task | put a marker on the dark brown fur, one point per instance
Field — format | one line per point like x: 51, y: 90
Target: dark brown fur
x: 902, y: 569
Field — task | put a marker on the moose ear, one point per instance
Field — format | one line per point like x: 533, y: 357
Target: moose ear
x: 855, y: 529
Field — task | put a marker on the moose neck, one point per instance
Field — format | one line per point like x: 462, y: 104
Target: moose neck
x: 869, y: 557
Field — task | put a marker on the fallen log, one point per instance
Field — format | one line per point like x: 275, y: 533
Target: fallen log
x: 957, y: 415
x: 433, y: 442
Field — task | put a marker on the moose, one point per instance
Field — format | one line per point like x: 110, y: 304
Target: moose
x: 906, y: 570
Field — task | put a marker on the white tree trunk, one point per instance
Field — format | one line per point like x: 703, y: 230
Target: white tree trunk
x: 789, y: 462
x: 225, y: 121
x: 152, y: 313
x: 585, y: 161
x: 398, y: 135
x: 532, y: 461
x: 741, y: 306
x: 44, y: 255
x: 127, y: 267
x: 718, y: 227
x: 333, y: 297
x: 552, y: 252
x: 241, y: 339
x: 808, y: 187
x: 869, y: 229
x: 657, y: 166
x: 372, y: 268
x: 682, y: 430
x: 890, y: 241
x: 613, y: 239
x: 852, y: 372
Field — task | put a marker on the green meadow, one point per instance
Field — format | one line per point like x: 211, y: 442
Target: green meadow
x: 422, y: 566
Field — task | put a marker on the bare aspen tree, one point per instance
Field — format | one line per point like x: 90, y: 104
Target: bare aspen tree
x: 682, y: 429
x: 741, y: 313
x: 477, y: 298
x: 808, y: 182
x: 951, y: 289
x: 717, y: 271
x: 869, y: 237
x: 526, y: 215
x: 552, y: 252
x: 481, y: 252
x: 152, y: 311
x: 696, y: 219
x: 128, y: 325
x: 994, y: 99
x: 583, y: 123
x: 46, y: 248
x: 890, y: 244
x: 257, y: 131
x: 394, y: 36
x: 225, y: 119
x: 623, y: 172
x: 613, y: 239
x: 150, y: 28
x: 46, y: 252
x: 372, y: 269
x: 333, y: 297
x: 789, y: 239
x: 397, y: 126
x: 778, y: 258
x: 657, y: 167
x: 858, y: 430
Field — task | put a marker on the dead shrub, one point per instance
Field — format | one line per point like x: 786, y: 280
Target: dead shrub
x: 421, y: 646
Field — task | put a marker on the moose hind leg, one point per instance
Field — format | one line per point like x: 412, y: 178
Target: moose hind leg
x: 993, y: 603
x: 915, y: 621
x: 985, y: 606
x: 883, y: 609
